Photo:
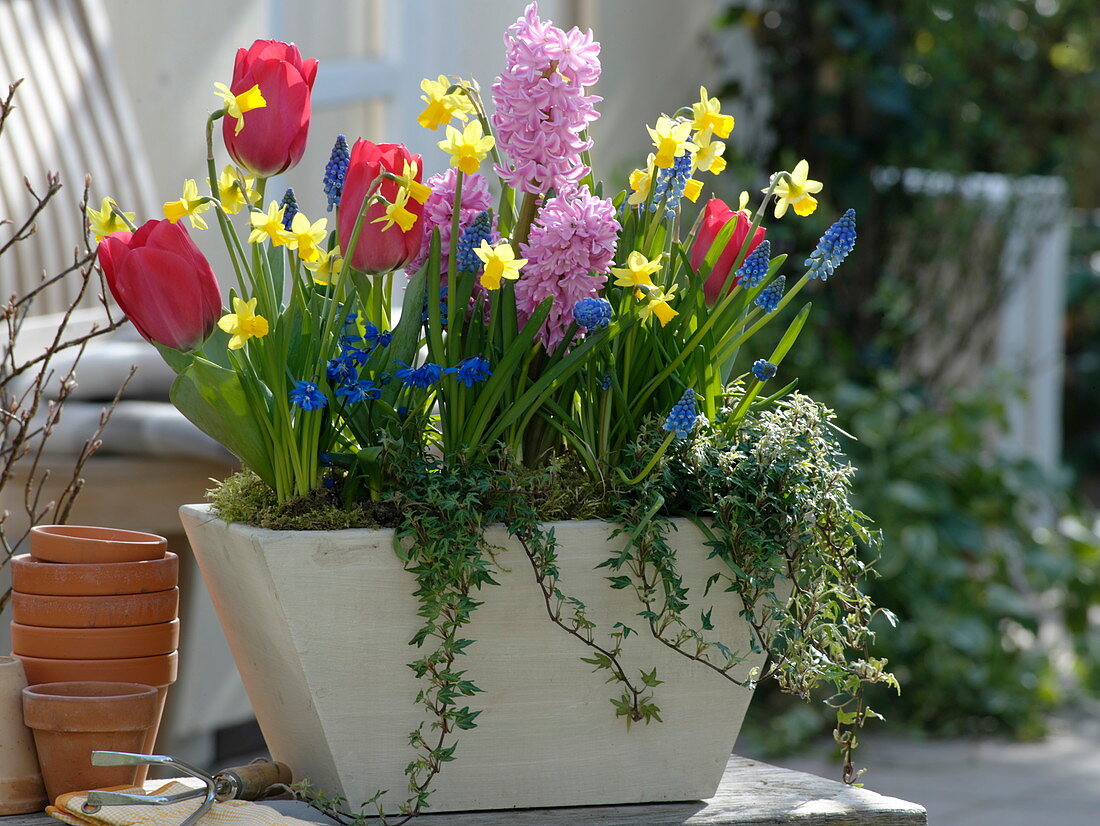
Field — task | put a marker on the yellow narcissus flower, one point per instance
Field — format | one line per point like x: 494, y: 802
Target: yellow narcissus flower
x: 709, y: 117
x: 467, y: 148
x: 500, y: 262
x: 641, y: 182
x: 396, y: 213
x: 268, y: 226
x: 237, y: 105
x: 243, y: 323
x: 671, y: 139
x: 189, y: 204
x: 306, y: 237
x: 105, y: 221
x: 637, y: 272
x: 441, y: 107
x: 326, y: 267
x: 709, y: 157
x: 419, y: 192
x: 692, y: 190
x: 797, y: 192
x: 233, y: 200
x: 657, y: 304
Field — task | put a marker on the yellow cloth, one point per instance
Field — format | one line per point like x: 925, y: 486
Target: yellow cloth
x: 67, y: 809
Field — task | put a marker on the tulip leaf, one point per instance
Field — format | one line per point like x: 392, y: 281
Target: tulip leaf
x: 214, y: 400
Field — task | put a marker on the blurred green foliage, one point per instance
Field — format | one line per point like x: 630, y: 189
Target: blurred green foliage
x: 994, y: 630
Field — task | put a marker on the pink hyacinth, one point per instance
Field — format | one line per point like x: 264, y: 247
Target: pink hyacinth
x: 569, y: 250
x: 439, y: 212
x: 541, y: 105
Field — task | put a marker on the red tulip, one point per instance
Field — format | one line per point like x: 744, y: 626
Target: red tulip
x: 715, y: 217
x: 378, y: 249
x: 274, y: 136
x: 163, y: 283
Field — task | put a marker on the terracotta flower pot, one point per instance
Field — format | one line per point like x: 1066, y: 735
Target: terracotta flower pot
x: 71, y: 720
x: 159, y: 671
x: 85, y: 544
x: 110, y: 611
x: 95, y: 643
x: 21, y: 788
x: 31, y: 576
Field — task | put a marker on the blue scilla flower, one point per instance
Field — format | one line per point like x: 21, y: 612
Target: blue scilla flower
x: 768, y: 299
x: 605, y: 382
x: 755, y: 267
x: 385, y: 338
x: 442, y: 307
x: 592, y: 313
x: 481, y: 229
x: 359, y: 391
x: 351, y: 319
x: 341, y: 370
x: 472, y: 370
x: 307, y: 396
x: 681, y: 419
x: 335, y: 171
x: 421, y: 377
x: 763, y: 369
x: 670, y: 185
x: 375, y: 337
x: 355, y: 355
x: 290, y: 208
x: 833, y: 247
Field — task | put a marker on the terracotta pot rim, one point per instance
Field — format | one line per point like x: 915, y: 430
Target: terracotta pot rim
x: 117, y: 536
x: 86, y: 706
x: 97, y: 610
x: 65, y: 689
x: 108, y: 643
x: 80, y: 579
x: 91, y: 543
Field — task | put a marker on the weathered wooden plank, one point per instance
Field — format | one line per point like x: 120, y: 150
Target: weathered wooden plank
x: 751, y: 794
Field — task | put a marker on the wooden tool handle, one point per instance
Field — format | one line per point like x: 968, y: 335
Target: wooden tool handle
x: 254, y: 780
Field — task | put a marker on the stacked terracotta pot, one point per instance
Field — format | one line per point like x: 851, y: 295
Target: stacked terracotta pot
x: 97, y: 604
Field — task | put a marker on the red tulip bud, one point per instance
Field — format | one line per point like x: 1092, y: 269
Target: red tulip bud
x: 274, y: 136
x: 163, y: 283
x: 715, y: 217
x: 378, y: 250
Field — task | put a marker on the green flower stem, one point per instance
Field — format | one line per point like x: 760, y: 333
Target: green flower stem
x: 224, y: 224
x: 523, y: 222
x: 648, y: 469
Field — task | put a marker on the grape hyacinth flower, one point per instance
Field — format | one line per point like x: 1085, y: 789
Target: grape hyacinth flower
x: 592, y: 313
x: 670, y: 185
x: 481, y: 229
x: 439, y: 212
x: 768, y: 300
x: 359, y: 391
x: 683, y: 416
x: 472, y: 370
x: 421, y: 377
x: 755, y: 268
x: 569, y: 251
x: 307, y: 396
x: 542, y: 110
x: 763, y: 369
x: 833, y: 247
x: 290, y: 208
x: 335, y: 171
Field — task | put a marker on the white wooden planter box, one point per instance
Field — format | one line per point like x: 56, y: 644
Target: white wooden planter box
x: 319, y: 624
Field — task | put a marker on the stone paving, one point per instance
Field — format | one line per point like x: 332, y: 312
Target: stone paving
x: 982, y: 782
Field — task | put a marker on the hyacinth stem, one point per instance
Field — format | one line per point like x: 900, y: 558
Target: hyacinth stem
x: 523, y: 222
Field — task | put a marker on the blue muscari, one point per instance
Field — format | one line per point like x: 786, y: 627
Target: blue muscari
x: 670, y: 185
x: 472, y: 370
x: 335, y: 170
x: 763, y: 369
x: 421, y: 377
x: 307, y: 396
x: 833, y: 247
x: 290, y: 208
x: 755, y: 267
x: 480, y: 229
x: 592, y: 313
x: 768, y: 299
x: 359, y: 391
x: 681, y: 419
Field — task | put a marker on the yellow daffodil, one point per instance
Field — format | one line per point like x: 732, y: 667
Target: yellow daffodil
x: 419, y: 192
x: 467, y: 148
x: 326, y: 267
x: 105, y: 221
x: 709, y: 117
x: 189, y: 204
x: 709, y: 157
x: 671, y: 138
x: 743, y: 200
x: 396, y: 213
x: 641, y: 181
x: 797, y: 192
x: 692, y: 190
x: 233, y: 200
x: 441, y: 107
x: 500, y: 262
x: 243, y: 323
x: 237, y: 105
x: 637, y: 272
x: 268, y: 226
x: 657, y: 304
x: 306, y: 237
